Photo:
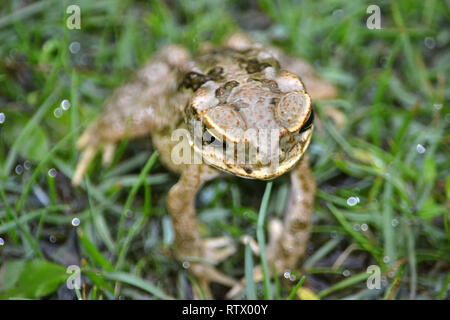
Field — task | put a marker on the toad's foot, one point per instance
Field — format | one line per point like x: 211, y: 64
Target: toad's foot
x: 90, y: 145
x: 201, y: 255
x: 211, y: 251
x: 277, y: 260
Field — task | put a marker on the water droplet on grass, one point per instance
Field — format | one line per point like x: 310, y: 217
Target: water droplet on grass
x: 186, y: 265
x: 19, y: 169
x: 74, y: 47
x: 75, y: 222
x: 364, y: 227
x: 27, y: 165
x: 65, y: 104
x: 2, y: 117
x: 58, y: 112
x: 52, y: 173
x: 2, y: 242
x: 420, y: 148
x: 430, y: 43
x: 346, y: 273
x: 394, y: 222
x: 352, y: 201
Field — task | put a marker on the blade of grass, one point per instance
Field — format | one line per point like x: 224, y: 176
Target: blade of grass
x: 32, y: 243
x: 137, y: 282
x: 262, y: 242
x: 24, y: 13
x: 344, y: 284
x: 151, y: 161
x: 135, y: 229
x: 25, y: 218
x: 21, y: 202
x: 322, y: 252
x: 249, y: 282
x: 92, y: 251
x: 387, y: 217
x: 412, y: 261
x: 356, y: 236
x: 37, y: 117
x: 298, y: 286
x: 98, y: 220
x: 390, y: 293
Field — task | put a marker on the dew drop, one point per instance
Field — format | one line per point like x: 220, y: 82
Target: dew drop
x: 2, y: 117
x: 429, y: 42
x: 438, y: 106
x: 74, y: 47
x: 394, y: 222
x: 420, y: 148
x: 27, y: 165
x: 19, y: 169
x: 65, y: 104
x: 57, y: 112
x: 52, y: 173
x: 2, y: 242
x: 186, y: 265
x: 75, y: 222
x: 287, y: 274
x: 292, y: 277
x: 346, y: 273
x: 357, y: 227
x: 386, y: 259
x: 364, y: 227
x: 352, y: 201
x: 52, y: 239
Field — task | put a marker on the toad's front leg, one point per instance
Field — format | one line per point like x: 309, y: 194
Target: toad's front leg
x: 288, y: 239
x: 199, y: 254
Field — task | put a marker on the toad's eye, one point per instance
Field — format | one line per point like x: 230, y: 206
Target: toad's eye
x: 308, y: 122
x: 212, y: 139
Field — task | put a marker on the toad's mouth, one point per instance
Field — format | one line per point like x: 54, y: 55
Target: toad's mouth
x: 250, y: 158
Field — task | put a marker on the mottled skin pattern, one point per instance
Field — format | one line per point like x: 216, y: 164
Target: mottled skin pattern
x: 241, y: 84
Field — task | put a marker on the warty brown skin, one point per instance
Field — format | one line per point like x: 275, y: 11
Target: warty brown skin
x: 165, y: 93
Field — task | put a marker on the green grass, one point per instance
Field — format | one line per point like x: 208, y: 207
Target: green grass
x: 391, y: 156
